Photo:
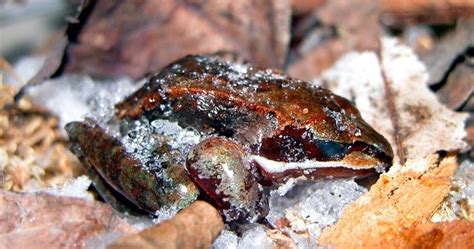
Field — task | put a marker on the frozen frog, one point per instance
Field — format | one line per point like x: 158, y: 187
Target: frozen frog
x: 258, y: 129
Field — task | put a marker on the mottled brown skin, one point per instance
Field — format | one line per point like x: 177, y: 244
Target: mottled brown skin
x: 269, y: 114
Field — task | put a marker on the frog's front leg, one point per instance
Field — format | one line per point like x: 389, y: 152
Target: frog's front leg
x: 222, y: 169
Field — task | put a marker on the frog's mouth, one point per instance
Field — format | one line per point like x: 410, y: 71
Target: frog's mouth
x: 297, y: 152
x: 280, y: 167
x: 277, y: 171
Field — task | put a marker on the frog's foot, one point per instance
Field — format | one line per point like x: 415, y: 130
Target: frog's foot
x: 221, y: 168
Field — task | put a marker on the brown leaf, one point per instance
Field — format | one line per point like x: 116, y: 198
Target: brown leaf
x: 64, y: 222
x: 301, y: 7
x: 133, y: 38
x: 458, y: 87
x: 317, y: 60
x: 353, y: 33
x: 454, y: 234
x: 193, y: 227
x: 406, y: 12
x: 439, y: 60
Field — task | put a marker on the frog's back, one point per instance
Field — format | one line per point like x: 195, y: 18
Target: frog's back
x: 200, y: 86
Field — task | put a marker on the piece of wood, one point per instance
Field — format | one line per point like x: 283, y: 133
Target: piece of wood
x: 194, y: 227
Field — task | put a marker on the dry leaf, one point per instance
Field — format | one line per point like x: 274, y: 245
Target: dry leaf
x: 64, y: 222
x: 301, y: 7
x: 133, y: 38
x: 353, y: 33
x: 33, y: 150
x: 458, y: 87
x: 317, y: 60
x: 402, y: 198
x: 406, y: 12
x: 441, y: 58
x: 455, y: 234
x: 424, y: 125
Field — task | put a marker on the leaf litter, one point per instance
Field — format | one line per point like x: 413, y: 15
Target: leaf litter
x: 424, y: 129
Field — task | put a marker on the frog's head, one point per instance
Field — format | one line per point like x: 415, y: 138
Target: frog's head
x: 326, y: 139
x: 294, y: 152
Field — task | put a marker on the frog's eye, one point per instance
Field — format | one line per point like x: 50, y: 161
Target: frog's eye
x: 330, y: 150
x: 295, y: 145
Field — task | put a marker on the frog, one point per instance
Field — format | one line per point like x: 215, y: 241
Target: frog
x: 261, y: 128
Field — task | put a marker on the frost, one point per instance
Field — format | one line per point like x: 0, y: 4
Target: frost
x: 26, y: 68
x: 256, y: 238
x: 310, y: 207
x: 180, y: 138
x: 165, y: 213
x: 460, y: 202
x: 287, y: 186
x: 73, y: 97
x: 226, y: 240
x: 73, y: 188
x: 145, y: 139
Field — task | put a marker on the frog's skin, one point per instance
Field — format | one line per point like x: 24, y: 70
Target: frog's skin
x: 289, y: 126
x: 259, y: 121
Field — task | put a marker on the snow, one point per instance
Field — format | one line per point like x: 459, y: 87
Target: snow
x: 226, y: 240
x: 73, y: 97
x: 312, y: 206
x: 460, y: 202
x: 255, y: 238
x: 26, y: 67
x: 73, y: 188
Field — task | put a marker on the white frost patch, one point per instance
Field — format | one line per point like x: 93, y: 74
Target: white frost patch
x: 72, y: 97
x: 73, y: 188
x: 26, y: 68
x: 255, y: 238
x: 311, y: 207
x: 226, y: 240
x: 179, y: 137
x: 462, y: 193
x: 287, y: 186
